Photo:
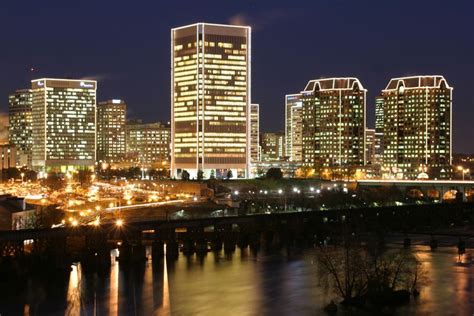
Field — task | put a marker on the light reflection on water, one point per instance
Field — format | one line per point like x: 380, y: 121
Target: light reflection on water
x: 237, y: 284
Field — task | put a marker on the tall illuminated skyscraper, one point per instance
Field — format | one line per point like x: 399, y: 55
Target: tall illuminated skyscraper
x: 378, y: 141
x: 111, y: 118
x: 210, y: 92
x: 254, y: 133
x: 19, y: 125
x: 64, y: 124
x: 334, y: 124
x: 294, y: 127
x: 417, y: 127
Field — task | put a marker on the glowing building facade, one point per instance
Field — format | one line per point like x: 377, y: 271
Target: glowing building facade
x: 255, y: 133
x: 378, y: 141
x: 111, y: 118
x: 148, y: 145
x: 273, y: 146
x: 7, y: 157
x: 334, y: 124
x: 370, y: 146
x: 210, y: 99
x: 64, y: 124
x: 294, y: 127
x: 20, y: 125
x: 417, y: 127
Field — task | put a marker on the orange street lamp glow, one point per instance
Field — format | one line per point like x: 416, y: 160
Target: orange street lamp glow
x: 119, y: 222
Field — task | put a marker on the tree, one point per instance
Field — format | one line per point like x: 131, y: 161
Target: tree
x: 54, y: 182
x: 200, y: 175
x: 30, y: 175
x: 47, y: 216
x: 212, y: 175
x: 185, y: 175
x: 274, y: 174
x: 358, y: 274
x: 230, y: 175
x: 305, y: 172
x: 83, y: 176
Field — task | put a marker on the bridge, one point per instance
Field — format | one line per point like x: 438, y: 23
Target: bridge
x: 91, y: 245
x: 437, y: 189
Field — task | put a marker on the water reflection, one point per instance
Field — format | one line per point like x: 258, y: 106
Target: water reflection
x: 223, y: 284
x: 113, y: 287
x: 74, y: 292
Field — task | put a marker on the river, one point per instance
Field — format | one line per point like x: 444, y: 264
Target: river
x: 237, y: 284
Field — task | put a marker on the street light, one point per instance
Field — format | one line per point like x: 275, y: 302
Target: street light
x: 22, y: 176
x: 463, y: 171
x: 119, y: 222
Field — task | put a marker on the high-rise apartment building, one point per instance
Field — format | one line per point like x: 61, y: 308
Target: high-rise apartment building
x: 210, y: 93
x: 64, y: 124
x: 148, y: 145
x: 111, y: 116
x: 294, y: 127
x: 334, y: 123
x: 254, y: 133
x: 379, y: 125
x: 273, y: 146
x: 20, y: 125
x: 417, y: 127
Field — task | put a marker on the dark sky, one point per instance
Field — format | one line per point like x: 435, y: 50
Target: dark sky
x: 126, y: 46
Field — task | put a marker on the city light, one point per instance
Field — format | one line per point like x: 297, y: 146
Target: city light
x: 90, y: 188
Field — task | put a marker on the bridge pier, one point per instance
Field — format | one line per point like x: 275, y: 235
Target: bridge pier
x: 96, y: 255
x: 188, y: 246
x: 132, y: 253
x: 172, y: 249
x: 201, y: 246
x: 229, y: 243
x: 255, y: 242
x: 157, y: 249
x: 243, y: 240
x: 216, y: 242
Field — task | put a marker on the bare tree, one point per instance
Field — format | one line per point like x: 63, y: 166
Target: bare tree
x: 357, y: 275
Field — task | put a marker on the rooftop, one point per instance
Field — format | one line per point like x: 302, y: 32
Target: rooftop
x: 414, y: 82
x: 347, y: 83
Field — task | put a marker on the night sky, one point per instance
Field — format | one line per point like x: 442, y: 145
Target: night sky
x: 126, y: 46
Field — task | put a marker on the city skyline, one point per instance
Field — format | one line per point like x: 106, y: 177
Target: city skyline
x: 374, y: 63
